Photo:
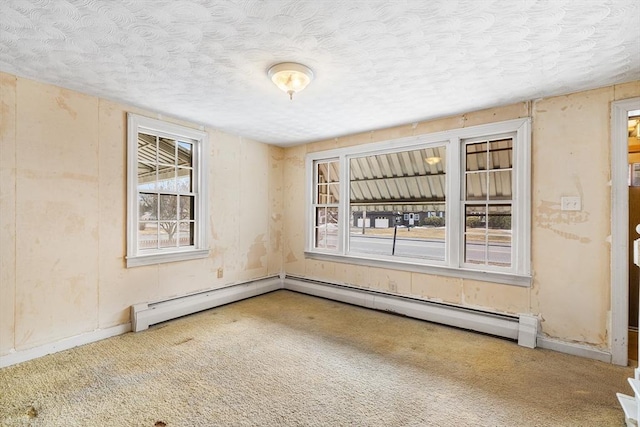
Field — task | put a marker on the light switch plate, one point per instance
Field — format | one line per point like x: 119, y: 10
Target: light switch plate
x: 573, y: 203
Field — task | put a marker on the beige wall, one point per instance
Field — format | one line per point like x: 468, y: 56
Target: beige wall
x: 62, y: 217
x: 63, y: 211
x: 570, y: 252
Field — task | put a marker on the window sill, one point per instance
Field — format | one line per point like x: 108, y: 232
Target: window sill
x: 484, y: 276
x: 160, y: 258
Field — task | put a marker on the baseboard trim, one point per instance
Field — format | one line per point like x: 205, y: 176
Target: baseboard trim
x: 147, y: 314
x: 490, y: 323
x: 20, y: 356
x: 575, y: 349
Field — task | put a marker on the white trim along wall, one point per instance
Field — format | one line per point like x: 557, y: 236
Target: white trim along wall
x: 618, y: 340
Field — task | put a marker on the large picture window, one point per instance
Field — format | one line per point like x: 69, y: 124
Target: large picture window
x: 165, y: 184
x: 397, y: 203
x: 453, y: 203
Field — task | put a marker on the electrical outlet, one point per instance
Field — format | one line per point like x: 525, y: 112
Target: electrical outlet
x: 571, y: 203
x: 220, y: 273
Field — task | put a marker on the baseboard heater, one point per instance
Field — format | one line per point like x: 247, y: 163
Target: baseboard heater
x: 523, y: 328
x: 147, y: 314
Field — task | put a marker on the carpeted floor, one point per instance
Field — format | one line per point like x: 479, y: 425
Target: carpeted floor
x: 286, y: 359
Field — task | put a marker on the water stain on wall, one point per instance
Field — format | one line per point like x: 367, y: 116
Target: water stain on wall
x: 62, y: 103
x: 256, y: 252
x: 550, y: 216
x: 212, y: 229
x: 291, y: 257
x: 297, y: 161
x: 276, y: 241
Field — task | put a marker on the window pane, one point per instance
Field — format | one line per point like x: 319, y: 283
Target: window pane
x: 499, y: 250
x: 501, y: 154
x: 323, y: 173
x: 475, y: 235
x: 476, y: 156
x: 333, y: 195
x: 184, y: 182
x: 419, y: 233
x: 499, y: 239
x: 147, y: 206
x: 166, y: 151
x: 147, y: 176
x: 167, y: 178
x: 168, y: 206
x: 187, y: 207
x: 321, y: 216
x: 186, y: 234
x: 500, y: 185
x: 475, y: 250
x: 147, y: 235
x: 147, y: 148
x: 185, y: 154
x: 332, y: 216
x: 321, y: 237
x: 475, y: 220
x: 168, y: 231
x: 323, y: 194
x: 476, y: 186
x: 331, y: 235
x: 404, y: 195
x: 334, y: 171
x: 499, y: 218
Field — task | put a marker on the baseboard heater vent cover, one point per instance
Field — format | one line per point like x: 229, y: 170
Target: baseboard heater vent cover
x: 523, y: 328
x: 147, y: 314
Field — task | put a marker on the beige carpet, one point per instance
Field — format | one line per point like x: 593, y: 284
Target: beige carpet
x: 286, y: 359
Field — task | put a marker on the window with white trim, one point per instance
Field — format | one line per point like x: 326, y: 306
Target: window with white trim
x: 166, y: 197
x: 488, y: 201
x: 453, y: 203
x: 326, y: 198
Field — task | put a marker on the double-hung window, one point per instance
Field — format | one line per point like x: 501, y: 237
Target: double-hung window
x: 452, y: 203
x: 326, y: 200
x: 166, y: 183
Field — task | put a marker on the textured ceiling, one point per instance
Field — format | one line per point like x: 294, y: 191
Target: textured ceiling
x: 377, y: 63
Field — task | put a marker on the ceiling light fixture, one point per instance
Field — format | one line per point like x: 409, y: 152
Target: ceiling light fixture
x: 290, y: 77
x: 432, y: 160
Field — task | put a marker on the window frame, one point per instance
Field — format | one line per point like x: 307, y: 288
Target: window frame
x: 518, y: 274
x: 317, y: 204
x: 488, y: 202
x: 200, y: 249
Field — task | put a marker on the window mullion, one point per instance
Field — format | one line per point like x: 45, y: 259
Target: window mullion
x: 344, y: 211
x: 453, y: 205
x: 521, y: 199
x: 488, y: 173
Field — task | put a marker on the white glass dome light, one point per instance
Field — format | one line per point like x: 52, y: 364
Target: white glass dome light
x: 290, y: 77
